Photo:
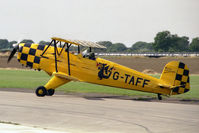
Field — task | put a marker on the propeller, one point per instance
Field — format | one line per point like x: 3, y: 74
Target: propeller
x: 15, y: 49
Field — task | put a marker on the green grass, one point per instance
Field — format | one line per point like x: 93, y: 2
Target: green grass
x: 33, y: 79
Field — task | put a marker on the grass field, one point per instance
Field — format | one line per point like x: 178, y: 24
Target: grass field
x: 32, y: 79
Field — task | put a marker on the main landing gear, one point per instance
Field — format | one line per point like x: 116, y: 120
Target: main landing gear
x: 41, y: 91
x: 159, y: 97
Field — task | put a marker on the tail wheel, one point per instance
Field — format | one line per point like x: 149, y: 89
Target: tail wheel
x: 50, y: 92
x: 41, y: 91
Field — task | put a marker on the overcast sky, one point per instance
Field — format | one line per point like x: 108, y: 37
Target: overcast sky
x: 126, y: 21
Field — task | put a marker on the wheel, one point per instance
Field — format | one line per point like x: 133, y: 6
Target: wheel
x: 159, y: 97
x: 41, y: 91
x: 50, y: 92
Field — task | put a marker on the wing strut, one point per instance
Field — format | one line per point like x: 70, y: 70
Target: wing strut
x: 47, y: 48
x: 68, y: 43
x: 78, y: 49
x: 55, y: 50
x: 68, y: 46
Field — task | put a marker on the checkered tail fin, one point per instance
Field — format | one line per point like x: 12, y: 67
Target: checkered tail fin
x: 176, y: 75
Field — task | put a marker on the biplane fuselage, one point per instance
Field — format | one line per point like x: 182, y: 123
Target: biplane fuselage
x: 68, y: 66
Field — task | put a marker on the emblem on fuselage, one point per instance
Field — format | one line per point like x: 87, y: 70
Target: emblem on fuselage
x: 105, y: 71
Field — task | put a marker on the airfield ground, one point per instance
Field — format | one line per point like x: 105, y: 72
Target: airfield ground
x: 105, y: 115
x: 155, y: 64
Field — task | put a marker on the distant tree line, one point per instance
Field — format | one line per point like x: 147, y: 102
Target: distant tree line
x: 163, y: 42
x: 166, y: 42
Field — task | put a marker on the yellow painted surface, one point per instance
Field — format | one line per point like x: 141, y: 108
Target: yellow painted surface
x: 101, y: 71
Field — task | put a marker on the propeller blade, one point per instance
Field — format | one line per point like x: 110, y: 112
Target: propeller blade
x: 15, y: 49
x: 12, y: 53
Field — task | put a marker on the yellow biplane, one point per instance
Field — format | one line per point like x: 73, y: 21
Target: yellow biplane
x: 64, y: 66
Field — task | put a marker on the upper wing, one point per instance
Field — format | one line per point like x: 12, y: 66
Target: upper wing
x: 79, y: 42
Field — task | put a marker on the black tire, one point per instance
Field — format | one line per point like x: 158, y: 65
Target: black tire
x: 41, y: 91
x: 159, y: 97
x: 50, y: 92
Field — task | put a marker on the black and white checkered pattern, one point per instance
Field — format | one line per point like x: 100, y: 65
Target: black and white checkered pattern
x: 29, y: 54
x: 182, y: 79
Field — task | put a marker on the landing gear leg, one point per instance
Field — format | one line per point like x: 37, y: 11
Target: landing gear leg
x: 41, y: 91
x: 47, y: 90
x: 159, y: 97
x: 53, y: 83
